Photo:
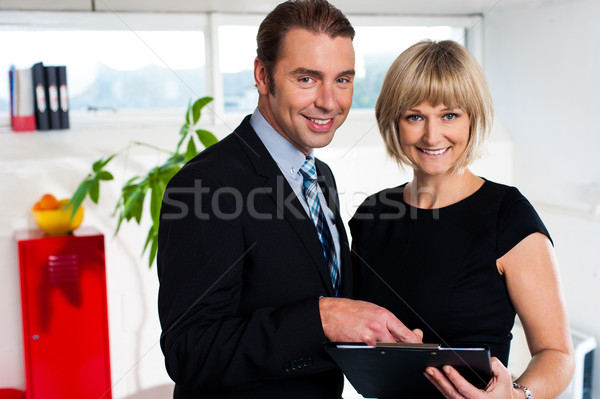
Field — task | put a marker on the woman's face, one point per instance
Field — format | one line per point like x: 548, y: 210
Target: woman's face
x: 433, y: 138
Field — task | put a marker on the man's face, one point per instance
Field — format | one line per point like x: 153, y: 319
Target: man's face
x: 313, y: 88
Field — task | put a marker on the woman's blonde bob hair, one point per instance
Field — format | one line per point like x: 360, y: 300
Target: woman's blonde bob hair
x: 440, y: 73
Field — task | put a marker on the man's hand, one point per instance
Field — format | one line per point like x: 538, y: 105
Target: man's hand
x: 347, y: 320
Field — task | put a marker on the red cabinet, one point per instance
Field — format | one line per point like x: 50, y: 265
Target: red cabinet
x: 65, y: 323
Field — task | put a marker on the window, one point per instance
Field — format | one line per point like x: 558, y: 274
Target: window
x: 237, y: 50
x: 153, y: 61
x: 115, y: 61
x: 377, y: 47
x: 114, y: 69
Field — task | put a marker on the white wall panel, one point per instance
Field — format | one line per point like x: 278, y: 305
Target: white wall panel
x: 542, y: 62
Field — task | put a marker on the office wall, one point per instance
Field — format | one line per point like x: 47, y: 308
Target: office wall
x: 542, y: 62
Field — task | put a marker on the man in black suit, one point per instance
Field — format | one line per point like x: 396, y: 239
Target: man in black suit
x: 247, y: 296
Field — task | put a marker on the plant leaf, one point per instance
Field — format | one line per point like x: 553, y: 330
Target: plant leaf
x: 108, y: 160
x: 184, y: 129
x: 166, y: 174
x: 191, y: 149
x: 130, y: 181
x: 138, y: 209
x: 177, y: 159
x: 153, y: 251
x: 187, y: 112
x: 78, y: 197
x: 94, y: 190
x: 154, y: 202
x: 152, y: 238
x: 183, y: 133
x: 148, y: 238
x: 158, y: 191
x: 206, y: 138
x: 121, y: 218
x: 97, y: 165
x: 130, y: 202
x: 105, y: 175
x: 197, y: 108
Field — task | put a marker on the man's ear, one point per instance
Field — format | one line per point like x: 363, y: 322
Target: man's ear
x: 260, y: 77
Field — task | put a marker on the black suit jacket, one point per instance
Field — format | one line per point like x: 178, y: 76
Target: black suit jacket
x: 241, y: 270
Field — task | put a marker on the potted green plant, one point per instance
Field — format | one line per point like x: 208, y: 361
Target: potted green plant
x: 130, y: 205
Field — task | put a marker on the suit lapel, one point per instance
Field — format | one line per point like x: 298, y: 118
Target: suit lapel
x: 284, y: 198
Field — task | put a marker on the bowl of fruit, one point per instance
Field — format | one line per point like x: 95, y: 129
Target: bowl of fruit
x: 53, y: 217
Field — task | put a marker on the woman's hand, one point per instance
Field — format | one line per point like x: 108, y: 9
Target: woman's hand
x: 453, y: 386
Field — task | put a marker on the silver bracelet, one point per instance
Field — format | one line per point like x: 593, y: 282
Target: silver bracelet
x: 528, y: 394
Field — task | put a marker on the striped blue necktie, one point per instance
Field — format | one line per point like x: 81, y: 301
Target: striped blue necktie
x: 309, y: 172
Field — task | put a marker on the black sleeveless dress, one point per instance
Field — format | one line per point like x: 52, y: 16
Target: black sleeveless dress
x: 435, y: 269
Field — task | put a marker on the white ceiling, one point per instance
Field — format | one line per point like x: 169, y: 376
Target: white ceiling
x: 435, y: 7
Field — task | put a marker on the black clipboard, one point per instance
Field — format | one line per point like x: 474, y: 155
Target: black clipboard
x: 396, y: 370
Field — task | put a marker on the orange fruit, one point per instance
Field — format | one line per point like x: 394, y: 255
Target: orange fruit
x: 38, y: 206
x: 48, y: 201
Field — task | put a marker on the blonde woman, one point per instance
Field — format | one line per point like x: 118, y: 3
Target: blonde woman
x: 452, y: 253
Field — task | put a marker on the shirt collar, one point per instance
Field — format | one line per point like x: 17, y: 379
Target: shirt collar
x: 286, y: 155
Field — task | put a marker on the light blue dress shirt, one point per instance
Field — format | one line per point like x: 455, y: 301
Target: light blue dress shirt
x: 290, y: 159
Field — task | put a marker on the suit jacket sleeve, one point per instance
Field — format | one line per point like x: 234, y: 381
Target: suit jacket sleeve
x: 208, y: 342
